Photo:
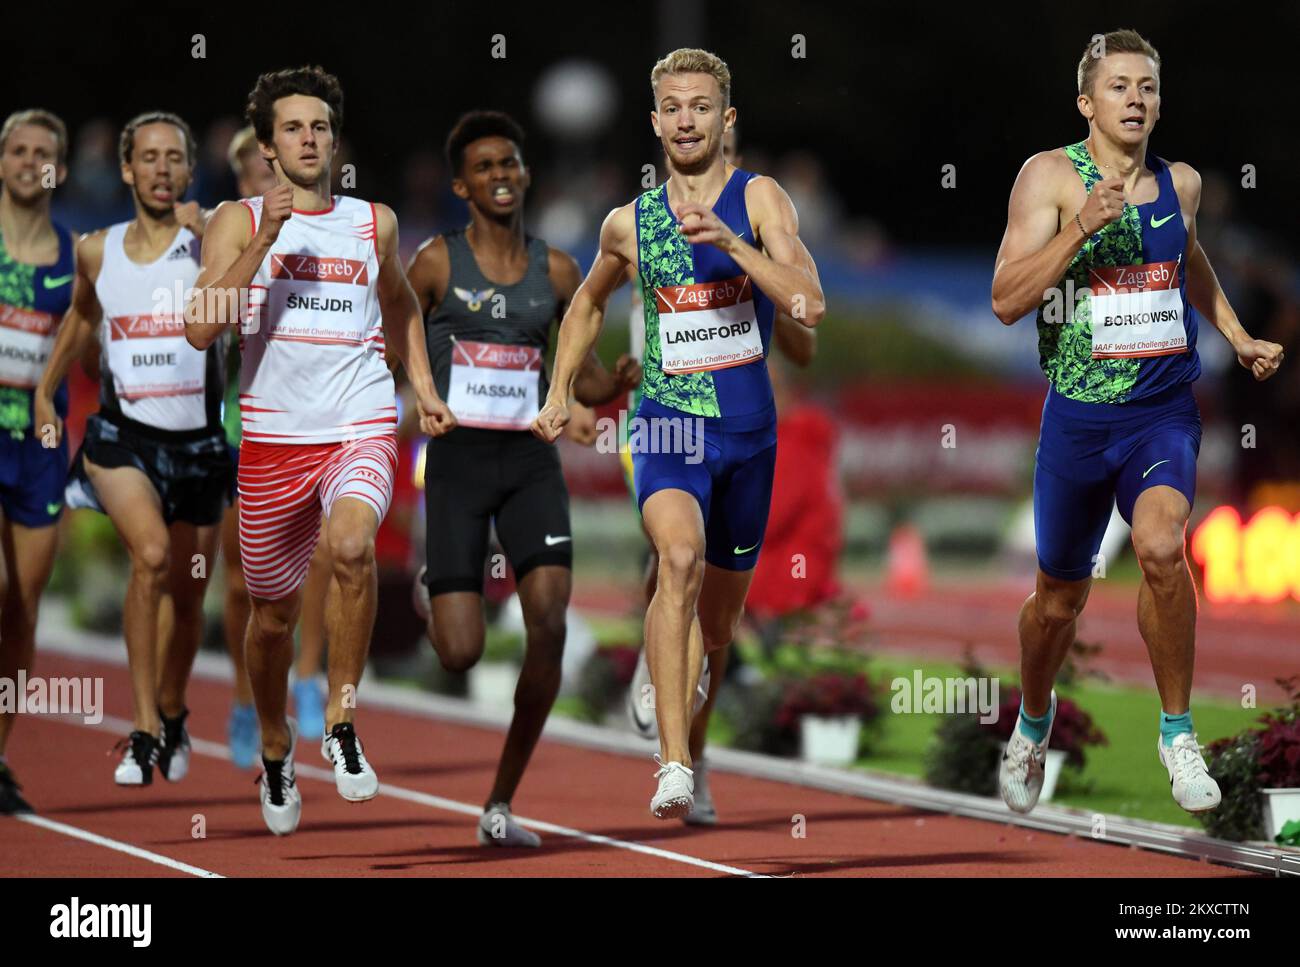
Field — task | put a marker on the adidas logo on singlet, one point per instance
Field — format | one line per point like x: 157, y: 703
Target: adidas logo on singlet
x: 179, y: 252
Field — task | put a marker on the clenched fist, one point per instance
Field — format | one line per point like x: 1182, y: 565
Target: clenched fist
x: 277, y: 208
x: 550, y: 421
x: 1105, y: 204
x: 1260, y: 356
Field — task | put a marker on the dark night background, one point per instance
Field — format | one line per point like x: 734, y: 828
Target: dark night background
x: 884, y: 98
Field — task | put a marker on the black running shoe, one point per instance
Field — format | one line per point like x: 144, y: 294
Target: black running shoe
x: 138, y: 759
x: 11, y: 803
x: 174, y: 755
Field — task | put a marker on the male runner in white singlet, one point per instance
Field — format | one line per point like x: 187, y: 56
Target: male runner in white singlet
x: 154, y: 457
x: 318, y: 281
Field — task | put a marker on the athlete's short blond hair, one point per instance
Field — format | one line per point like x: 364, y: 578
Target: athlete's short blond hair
x: 1115, y: 42
x: 692, y: 60
x: 243, y: 143
x: 41, y: 118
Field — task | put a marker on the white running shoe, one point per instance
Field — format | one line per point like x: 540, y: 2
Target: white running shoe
x: 641, y: 701
x: 675, y: 797
x: 1023, y: 761
x: 174, y: 748
x: 497, y: 827
x: 420, y: 601
x: 355, y: 780
x: 139, y: 757
x: 281, y: 801
x: 703, y: 814
x: 641, y: 698
x: 1189, y: 780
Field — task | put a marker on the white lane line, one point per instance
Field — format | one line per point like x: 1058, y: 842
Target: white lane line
x: 143, y: 854
x: 218, y: 750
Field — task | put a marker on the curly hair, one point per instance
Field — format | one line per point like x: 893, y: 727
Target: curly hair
x: 273, y: 85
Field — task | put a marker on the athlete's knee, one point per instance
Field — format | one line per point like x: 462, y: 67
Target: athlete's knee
x: 151, y: 558
x: 1059, y: 603
x: 351, y: 553
x: 271, y: 623
x: 546, y: 631
x: 718, y: 630
x: 1159, y: 549
x: 681, y: 566
x: 457, y: 650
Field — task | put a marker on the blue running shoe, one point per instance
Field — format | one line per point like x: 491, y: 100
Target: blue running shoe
x: 309, y: 706
x: 243, y: 733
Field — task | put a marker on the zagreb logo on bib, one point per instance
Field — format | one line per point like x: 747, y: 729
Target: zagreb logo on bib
x: 1137, y: 311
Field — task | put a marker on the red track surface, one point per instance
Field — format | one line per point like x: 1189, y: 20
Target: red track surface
x: 68, y: 777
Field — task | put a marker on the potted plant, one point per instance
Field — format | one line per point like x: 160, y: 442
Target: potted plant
x: 828, y: 710
x: 1258, y: 772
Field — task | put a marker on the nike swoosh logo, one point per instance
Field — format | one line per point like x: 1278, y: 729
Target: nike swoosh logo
x: 552, y: 541
x: 534, y: 303
x: 52, y: 509
x: 1152, y: 467
x: 738, y: 552
x: 54, y: 283
x: 1156, y: 223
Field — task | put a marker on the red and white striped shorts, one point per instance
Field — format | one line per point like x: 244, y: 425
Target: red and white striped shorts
x: 284, y: 489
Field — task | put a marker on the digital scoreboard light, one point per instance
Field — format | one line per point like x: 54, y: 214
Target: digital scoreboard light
x: 1258, y: 561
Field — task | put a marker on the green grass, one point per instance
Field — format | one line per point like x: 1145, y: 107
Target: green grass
x: 1122, y: 777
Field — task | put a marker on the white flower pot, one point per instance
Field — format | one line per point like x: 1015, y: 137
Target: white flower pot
x: 1051, y: 772
x: 493, y: 682
x: 829, y: 741
x: 1280, y: 806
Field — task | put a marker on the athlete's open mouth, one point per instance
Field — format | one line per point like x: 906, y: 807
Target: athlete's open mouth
x: 503, y: 194
x: 1135, y: 121
x: 687, y: 143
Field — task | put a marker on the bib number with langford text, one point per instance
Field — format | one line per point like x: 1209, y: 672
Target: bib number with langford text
x: 708, y: 325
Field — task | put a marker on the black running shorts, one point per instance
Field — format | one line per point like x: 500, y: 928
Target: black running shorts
x: 473, y: 477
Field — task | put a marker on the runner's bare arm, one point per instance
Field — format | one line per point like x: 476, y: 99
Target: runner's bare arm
x: 1036, y: 249
x: 429, y: 272
x: 75, y: 329
x: 582, y: 321
x: 231, y: 255
x: 1260, y: 356
x: 797, y: 343
x: 783, y: 267
x: 404, y: 326
x: 594, y: 385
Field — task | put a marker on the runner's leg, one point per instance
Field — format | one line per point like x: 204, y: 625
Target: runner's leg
x: 674, y: 646
x: 1166, y: 597
x: 28, y: 559
x: 350, y: 530
x: 190, y: 546
x: 237, y: 607
x: 544, y: 594
x: 133, y: 505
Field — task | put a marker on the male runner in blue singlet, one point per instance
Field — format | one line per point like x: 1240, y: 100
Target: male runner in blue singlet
x: 1101, y: 239
x: 718, y: 253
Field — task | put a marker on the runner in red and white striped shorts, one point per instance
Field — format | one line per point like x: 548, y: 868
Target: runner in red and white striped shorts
x: 320, y: 283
